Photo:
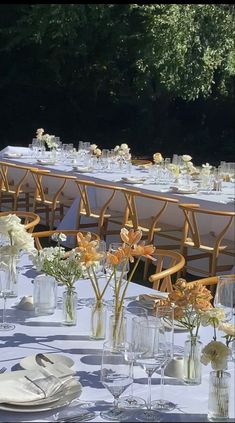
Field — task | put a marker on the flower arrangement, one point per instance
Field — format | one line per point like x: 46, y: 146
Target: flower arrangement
x: 206, y: 169
x: 157, y: 158
x: 190, y: 302
x: 15, y: 239
x: 95, y: 151
x: 64, y: 266
x: 48, y: 139
x: 123, y: 150
x: 188, y: 164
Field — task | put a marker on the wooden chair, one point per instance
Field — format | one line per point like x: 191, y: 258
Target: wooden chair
x: 49, y: 196
x: 98, y: 216
x: 29, y: 219
x: 149, y: 226
x: 45, y: 237
x: 14, y: 185
x: 168, y: 263
x: 208, y: 245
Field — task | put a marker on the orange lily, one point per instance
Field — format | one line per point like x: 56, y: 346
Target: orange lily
x: 130, y: 237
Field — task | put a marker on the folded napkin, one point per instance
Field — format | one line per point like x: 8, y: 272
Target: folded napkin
x: 12, y: 155
x: 133, y: 180
x: 150, y: 300
x: 31, y: 385
x: 82, y: 169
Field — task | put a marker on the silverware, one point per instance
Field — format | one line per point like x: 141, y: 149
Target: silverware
x: 79, y: 418
x: 3, y: 369
x: 40, y: 358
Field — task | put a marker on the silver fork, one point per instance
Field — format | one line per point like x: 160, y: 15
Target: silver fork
x: 3, y: 369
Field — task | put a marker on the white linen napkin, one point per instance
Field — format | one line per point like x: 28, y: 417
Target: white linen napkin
x: 149, y: 300
x: 32, y: 385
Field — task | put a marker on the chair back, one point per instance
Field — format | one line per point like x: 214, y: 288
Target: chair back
x: 168, y: 263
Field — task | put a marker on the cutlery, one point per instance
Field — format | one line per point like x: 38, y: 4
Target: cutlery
x: 3, y: 369
x: 41, y: 357
x: 79, y: 418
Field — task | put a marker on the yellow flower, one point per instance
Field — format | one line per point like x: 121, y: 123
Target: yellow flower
x: 217, y: 353
x: 130, y: 237
x: 143, y: 251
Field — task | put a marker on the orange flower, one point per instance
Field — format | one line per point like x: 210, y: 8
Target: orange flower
x: 130, y: 237
x: 90, y: 256
x: 85, y: 241
x: 115, y: 258
x: 143, y: 251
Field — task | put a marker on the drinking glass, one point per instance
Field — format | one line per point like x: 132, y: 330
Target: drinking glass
x: 225, y: 295
x: 115, y: 376
x: 132, y: 314
x: 149, y: 349
x: 166, y: 315
x: 5, y: 292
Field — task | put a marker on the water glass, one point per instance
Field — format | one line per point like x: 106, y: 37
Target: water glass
x: 44, y: 294
x: 225, y: 295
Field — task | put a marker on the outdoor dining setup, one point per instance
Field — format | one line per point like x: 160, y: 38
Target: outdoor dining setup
x: 117, y: 285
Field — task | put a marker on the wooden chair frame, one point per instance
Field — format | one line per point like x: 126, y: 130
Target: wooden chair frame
x: 14, y: 190
x: 50, y: 201
x: 161, y: 279
x: 191, y: 237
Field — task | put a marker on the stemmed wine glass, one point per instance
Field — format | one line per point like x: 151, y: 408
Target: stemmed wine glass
x: 225, y: 295
x: 5, y: 292
x: 115, y: 376
x: 149, y: 349
x: 166, y: 315
x: 132, y: 314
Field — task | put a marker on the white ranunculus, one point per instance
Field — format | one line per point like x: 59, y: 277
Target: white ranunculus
x: 59, y: 237
x: 116, y: 148
x: 9, y: 223
x: 186, y: 158
x: 93, y: 147
x: 23, y: 240
x: 227, y: 328
x: 217, y: 353
x: 212, y: 317
x: 97, y: 152
x: 124, y: 146
x: 39, y: 133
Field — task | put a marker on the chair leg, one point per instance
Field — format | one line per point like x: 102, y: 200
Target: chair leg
x: 146, y: 268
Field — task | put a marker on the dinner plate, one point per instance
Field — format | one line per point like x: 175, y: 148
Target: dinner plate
x: 29, y: 362
x: 46, y: 162
x: 183, y: 190
x: 133, y: 180
x: 66, y: 399
x: 82, y: 169
x: 12, y: 155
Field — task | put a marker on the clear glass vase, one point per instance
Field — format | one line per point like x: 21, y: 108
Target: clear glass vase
x: 192, y: 363
x: 9, y: 273
x: 117, y: 328
x: 218, y: 402
x: 69, y: 307
x: 98, y: 320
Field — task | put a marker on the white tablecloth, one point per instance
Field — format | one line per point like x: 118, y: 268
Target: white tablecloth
x: 33, y: 334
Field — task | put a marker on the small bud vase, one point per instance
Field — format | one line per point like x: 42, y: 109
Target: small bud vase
x: 98, y: 320
x: 69, y: 307
x: 117, y: 328
x: 218, y: 402
x: 192, y: 363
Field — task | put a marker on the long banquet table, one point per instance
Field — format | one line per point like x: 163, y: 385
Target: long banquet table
x: 33, y: 334
x: 224, y: 200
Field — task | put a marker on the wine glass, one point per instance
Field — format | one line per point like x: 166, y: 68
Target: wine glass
x: 115, y: 376
x: 149, y: 349
x: 225, y: 295
x: 5, y: 292
x: 132, y: 314
x: 166, y: 315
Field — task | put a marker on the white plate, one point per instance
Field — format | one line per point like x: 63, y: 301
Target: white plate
x: 12, y: 155
x: 133, y: 180
x: 73, y: 393
x: 46, y: 162
x: 82, y: 169
x: 29, y: 362
x: 183, y: 190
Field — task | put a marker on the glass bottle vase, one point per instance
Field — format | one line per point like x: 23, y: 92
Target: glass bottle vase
x: 98, y: 320
x: 117, y: 328
x: 192, y: 363
x: 69, y: 307
x: 9, y: 274
x: 218, y: 402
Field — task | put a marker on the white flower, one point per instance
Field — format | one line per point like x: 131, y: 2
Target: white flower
x: 186, y: 158
x: 11, y: 226
x: 97, y: 152
x: 23, y: 240
x: 227, y: 328
x: 9, y: 223
x: 217, y: 353
x: 212, y: 317
x: 157, y: 158
x: 121, y: 152
x: 58, y: 237
x: 116, y: 148
x: 39, y: 133
x: 124, y: 147
x: 93, y: 147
